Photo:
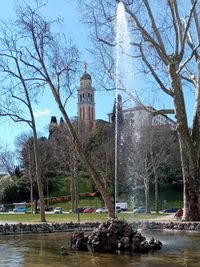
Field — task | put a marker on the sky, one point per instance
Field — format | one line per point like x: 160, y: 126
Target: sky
x: 47, y: 107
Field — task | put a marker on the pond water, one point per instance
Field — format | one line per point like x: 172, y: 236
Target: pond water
x: 179, y: 249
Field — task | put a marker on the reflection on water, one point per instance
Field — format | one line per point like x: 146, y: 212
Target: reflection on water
x: 179, y: 249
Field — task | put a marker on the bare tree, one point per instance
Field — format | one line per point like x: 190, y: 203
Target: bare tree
x: 147, y: 150
x: 7, y: 161
x: 101, y: 149
x: 65, y: 157
x: 18, y: 94
x: 166, y: 42
x: 158, y: 140
x: 24, y: 150
x: 50, y: 61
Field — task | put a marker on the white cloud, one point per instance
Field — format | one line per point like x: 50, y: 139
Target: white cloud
x: 40, y: 113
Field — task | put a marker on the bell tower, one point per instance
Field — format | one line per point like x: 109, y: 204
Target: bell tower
x: 86, y: 105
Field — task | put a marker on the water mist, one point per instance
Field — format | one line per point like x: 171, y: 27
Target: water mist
x: 123, y: 73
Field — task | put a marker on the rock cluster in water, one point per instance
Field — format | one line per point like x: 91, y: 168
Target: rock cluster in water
x: 112, y: 236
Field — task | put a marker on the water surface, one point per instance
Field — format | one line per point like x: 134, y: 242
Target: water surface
x: 179, y: 249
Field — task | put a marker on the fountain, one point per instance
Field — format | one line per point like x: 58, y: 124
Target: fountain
x: 123, y: 77
x: 117, y: 235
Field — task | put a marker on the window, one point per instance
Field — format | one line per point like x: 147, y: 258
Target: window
x: 89, y: 114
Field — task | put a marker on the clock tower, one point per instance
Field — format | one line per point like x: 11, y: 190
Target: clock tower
x: 86, y: 105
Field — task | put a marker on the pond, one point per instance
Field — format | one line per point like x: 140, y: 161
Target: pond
x: 31, y: 250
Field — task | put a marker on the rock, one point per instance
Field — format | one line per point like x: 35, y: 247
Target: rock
x: 79, y: 241
x: 114, y: 235
x: 155, y: 244
x: 63, y: 251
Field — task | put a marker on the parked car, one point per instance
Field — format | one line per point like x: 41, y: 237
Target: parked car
x: 139, y: 210
x: 3, y: 209
x: 57, y: 210
x: 170, y: 210
x: 122, y: 205
x: 118, y: 209
x: 89, y: 210
x: 20, y: 209
x: 46, y: 209
x: 101, y: 210
x: 80, y: 210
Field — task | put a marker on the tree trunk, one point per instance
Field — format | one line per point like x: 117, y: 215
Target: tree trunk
x: 156, y: 189
x: 72, y: 189
x: 38, y: 176
x: 191, y: 183
x: 31, y: 180
x: 147, y: 194
x: 76, y: 192
x: 31, y: 197
x: 188, y: 151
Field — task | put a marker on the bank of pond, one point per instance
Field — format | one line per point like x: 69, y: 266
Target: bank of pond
x: 110, y: 243
x: 180, y: 248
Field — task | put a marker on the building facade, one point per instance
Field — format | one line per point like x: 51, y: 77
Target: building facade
x: 140, y: 116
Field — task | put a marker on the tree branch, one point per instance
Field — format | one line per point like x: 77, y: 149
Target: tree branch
x: 196, y: 20
x: 177, y: 32
x: 186, y: 30
x: 188, y: 59
x: 147, y: 37
x: 154, y: 26
x: 163, y: 112
x: 163, y: 87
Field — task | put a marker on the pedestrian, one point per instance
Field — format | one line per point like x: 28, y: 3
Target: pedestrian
x: 179, y: 214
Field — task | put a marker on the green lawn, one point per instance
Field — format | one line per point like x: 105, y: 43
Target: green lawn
x: 34, y: 218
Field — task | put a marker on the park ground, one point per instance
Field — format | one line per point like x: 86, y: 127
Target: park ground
x: 90, y: 217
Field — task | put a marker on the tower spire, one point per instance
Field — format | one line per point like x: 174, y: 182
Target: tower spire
x: 85, y: 65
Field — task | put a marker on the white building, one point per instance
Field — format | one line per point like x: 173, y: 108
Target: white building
x: 143, y: 116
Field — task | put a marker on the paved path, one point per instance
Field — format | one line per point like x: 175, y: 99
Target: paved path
x: 168, y: 217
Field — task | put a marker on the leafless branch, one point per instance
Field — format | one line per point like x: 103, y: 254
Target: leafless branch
x: 163, y: 112
x: 174, y: 18
x: 147, y: 37
x: 163, y: 87
x: 196, y: 19
x: 186, y: 29
x: 188, y: 59
x: 154, y: 26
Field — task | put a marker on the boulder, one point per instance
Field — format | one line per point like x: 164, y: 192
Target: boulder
x: 111, y: 236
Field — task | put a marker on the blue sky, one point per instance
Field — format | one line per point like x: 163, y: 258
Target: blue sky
x: 104, y: 100
x: 47, y: 107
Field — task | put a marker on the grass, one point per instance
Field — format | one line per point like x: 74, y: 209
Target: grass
x: 73, y: 217
x: 173, y: 198
x: 87, y: 202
